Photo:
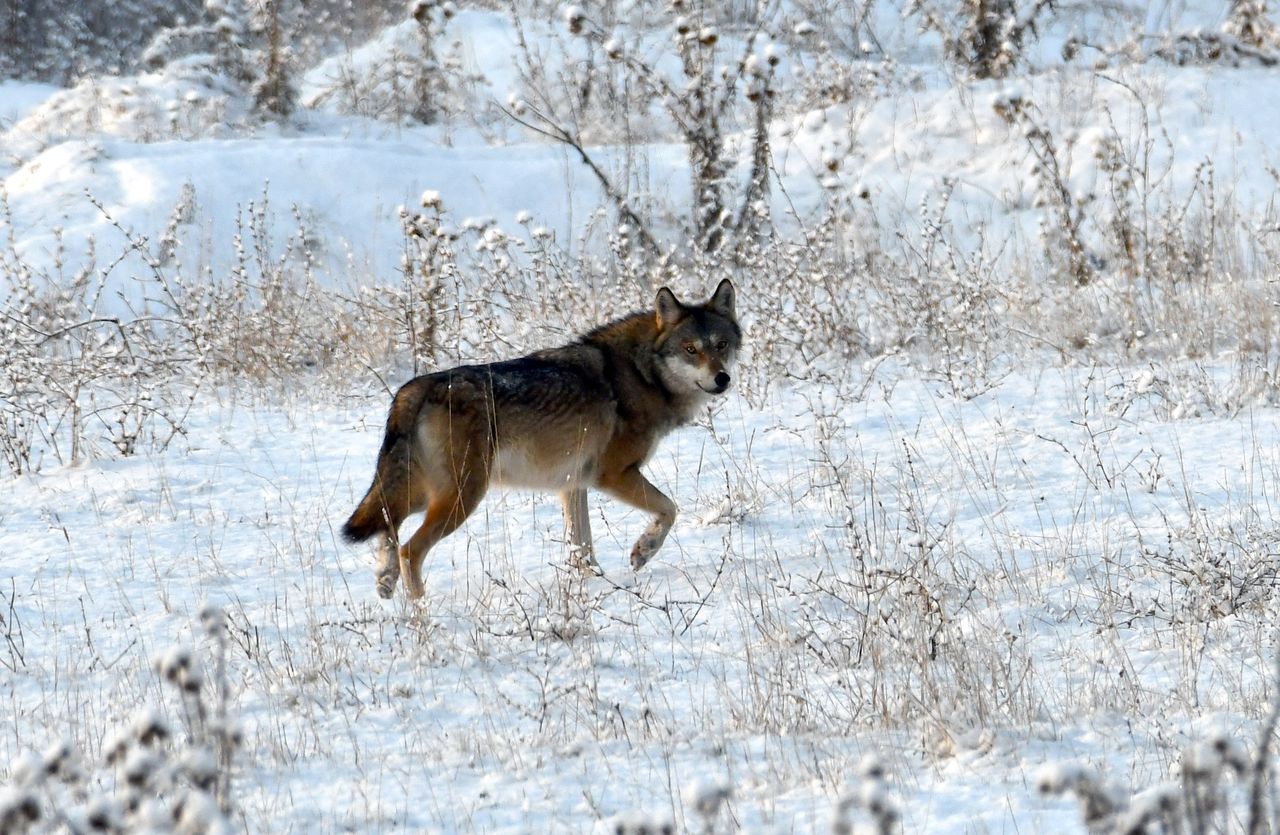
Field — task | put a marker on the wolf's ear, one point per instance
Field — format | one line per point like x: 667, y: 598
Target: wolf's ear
x: 722, y: 300
x: 668, y: 308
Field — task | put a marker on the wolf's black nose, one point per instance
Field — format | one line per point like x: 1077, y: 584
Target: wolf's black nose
x: 722, y: 381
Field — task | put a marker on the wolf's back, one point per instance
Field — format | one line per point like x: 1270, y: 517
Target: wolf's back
x: 386, y: 503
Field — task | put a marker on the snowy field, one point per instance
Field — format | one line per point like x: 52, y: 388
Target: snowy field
x: 980, y: 518
x: 966, y: 591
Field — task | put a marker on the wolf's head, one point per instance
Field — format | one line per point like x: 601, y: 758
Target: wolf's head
x: 697, y: 344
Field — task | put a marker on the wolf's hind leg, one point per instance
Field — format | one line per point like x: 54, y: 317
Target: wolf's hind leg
x: 577, y: 531
x: 632, y: 487
x: 388, y: 570
x: 445, y: 514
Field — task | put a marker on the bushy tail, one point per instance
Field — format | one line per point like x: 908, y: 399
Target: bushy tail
x: 369, y: 518
x: 387, y: 503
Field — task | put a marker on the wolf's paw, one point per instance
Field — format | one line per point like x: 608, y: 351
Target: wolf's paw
x: 644, y: 551
x: 386, y: 585
x: 584, y: 561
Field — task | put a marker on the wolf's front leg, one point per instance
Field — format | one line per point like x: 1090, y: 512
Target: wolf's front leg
x: 652, y: 538
x: 633, y: 488
x: 577, y: 531
x: 388, y: 570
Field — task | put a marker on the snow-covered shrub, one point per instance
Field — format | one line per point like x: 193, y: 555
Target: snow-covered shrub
x: 429, y: 266
x: 76, y: 383
x: 1247, y: 36
x: 1250, y: 21
x: 244, y: 45
x: 986, y: 38
x: 949, y: 303
x: 1218, y: 785
x: 844, y: 298
x: 183, y: 100
x: 867, y: 795
x: 894, y: 627
x: 157, y: 774
x: 1099, y: 803
x: 706, y: 799
x: 1202, y: 46
x: 706, y: 82
x: 407, y: 72
x: 1061, y: 229
x: 65, y: 42
x: 1212, y: 571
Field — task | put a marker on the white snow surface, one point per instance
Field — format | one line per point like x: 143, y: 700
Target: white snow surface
x: 506, y: 703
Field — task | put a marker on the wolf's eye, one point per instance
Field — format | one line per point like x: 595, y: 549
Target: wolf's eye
x: 722, y: 344
x: 691, y: 350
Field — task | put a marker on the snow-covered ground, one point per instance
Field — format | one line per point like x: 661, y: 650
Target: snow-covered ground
x: 1072, y: 563
x: 784, y: 634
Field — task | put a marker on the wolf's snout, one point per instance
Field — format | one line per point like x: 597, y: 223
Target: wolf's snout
x: 722, y: 381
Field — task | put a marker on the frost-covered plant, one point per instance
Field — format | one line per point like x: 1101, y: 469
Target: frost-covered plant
x: 1213, y: 570
x: 1203, y: 46
x: 1199, y: 799
x: 1248, y: 35
x: 222, y: 38
x: 429, y: 266
x: 870, y: 795
x: 157, y: 775
x: 953, y: 300
x: 244, y: 44
x: 62, y: 43
x: 1250, y: 21
x: 404, y: 73
x: 429, y: 85
x: 705, y: 799
x: 893, y: 623
x: 984, y: 37
x: 273, y: 90
x: 843, y: 30
x: 76, y: 382
x: 1099, y: 803
x: 722, y: 78
x: 1061, y: 230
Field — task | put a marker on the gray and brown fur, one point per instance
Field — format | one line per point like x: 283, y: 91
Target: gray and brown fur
x: 585, y: 415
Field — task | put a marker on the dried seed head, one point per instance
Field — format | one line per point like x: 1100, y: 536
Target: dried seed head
x: 115, y: 746
x: 148, y: 727
x: 61, y: 762
x: 200, y: 767
x: 420, y: 10
x: 706, y: 797
x: 139, y: 768
x: 212, y: 620
x: 196, y: 811
x: 102, y: 815
x: 19, y: 808
x: 576, y: 19
x: 871, y: 767
x: 27, y: 769
x: 172, y: 663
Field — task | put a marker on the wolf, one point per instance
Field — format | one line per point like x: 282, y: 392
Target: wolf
x: 586, y: 415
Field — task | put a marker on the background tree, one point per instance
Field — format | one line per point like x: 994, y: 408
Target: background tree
x: 722, y: 83
x: 1250, y: 21
x: 986, y: 38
